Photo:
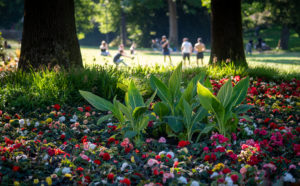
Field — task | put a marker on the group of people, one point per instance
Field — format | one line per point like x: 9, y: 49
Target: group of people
x: 186, y: 50
x: 260, y: 46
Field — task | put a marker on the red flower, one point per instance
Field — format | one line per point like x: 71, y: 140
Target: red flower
x: 51, y: 152
x: 155, y: 172
x: 267, y: 120
x: 157, y: 157
x: 183, y: 143
x: 169, y: 156
x: 125, y: 181
x: 79, y: 169
x: 16, y: 168
x: 110, y: 176
x: 57, y: 107
x: 206, y: 157
x: 237, y: 78
x: 234, y: 177
x: 88, y: 108
x: 226, y: 170
x: 98, y: 162
x: 106, y: 156
x: 110, y: 140
x: 213, y: 157
x: 150, y: 124
x: 62, y: 136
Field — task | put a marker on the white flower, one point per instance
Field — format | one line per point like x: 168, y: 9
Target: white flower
x: 109, y: 124
x: 229, y: 181
x: 214, y: 175
x: 66, y: 170
x: 92, y: 146
x: 182, y: 179
x: 120, y: 178
x: 162, y: 152
x: 248, y: 131
x: 86, y: 130
x: 194, y: 183
x: 124, y: 165
x: 62, y: 119
x: 46, y: 157
x: 288, y: 178
x: 172, y: 154
x: 74, y: 118
x: 36, y: 124
x: 21, y: 122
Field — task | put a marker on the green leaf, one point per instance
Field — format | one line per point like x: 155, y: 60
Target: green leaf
x: 125, y: 110
x: 208, y: 84
x: 161, y: 109
x: 98, y: 102
x: 187, y: 113
x: 208, y: 128
x: 130, y: 134
x: 242, y: 108
x: 175, y: 123
x: 138, y: 111
x: 162, y: 90
x: 225, y: 93
x: 134, y: 96
x: 104, y: 118
x: 175, y: 81
x: 117, y: 112
x: 150, y: 100
x: 239, y: 92
x: 200, y: 114
x: 210, y: 102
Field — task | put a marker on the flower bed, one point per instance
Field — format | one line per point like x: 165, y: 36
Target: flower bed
x: 66, y: 146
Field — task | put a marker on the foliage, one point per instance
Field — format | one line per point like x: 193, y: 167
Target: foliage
x: 132, y: 116
x: 225, y: 106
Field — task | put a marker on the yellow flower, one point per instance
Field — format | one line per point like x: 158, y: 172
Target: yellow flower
x: 36, y: 181
x: 68, y: 175
x: 49, y: 180
x: 10, y: 121
x: 219, y: 166
x: 228, y: 151
x: 132, y: 159
x: 16, y: 183
x: 48, y: 120
x: 247, y: 166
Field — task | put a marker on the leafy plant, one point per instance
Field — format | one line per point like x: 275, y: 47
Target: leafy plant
x: 175, y: 101
x: 225, y: 107
x: 132, y: 116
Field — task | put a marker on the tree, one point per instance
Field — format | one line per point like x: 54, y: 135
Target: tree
x: 49, y: 35
x: 227, y: 36
x: 173, y: 28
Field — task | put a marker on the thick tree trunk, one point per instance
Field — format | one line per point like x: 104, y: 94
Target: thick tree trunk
x: 173, y: 28
x: 49, y: 35
x: 283, y: 43
x: 123, y: 28
x: 227, y: 36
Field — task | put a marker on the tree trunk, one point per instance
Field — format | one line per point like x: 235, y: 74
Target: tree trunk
x: 123, y: 27
x: 49, y: 35
x: 283, y: 42
x: 173, y: 28
x: 227, y: 36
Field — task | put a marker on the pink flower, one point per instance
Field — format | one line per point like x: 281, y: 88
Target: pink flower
x: 87, y: 114
x: 125, y: 142
x: 148, y: 140
x: 80, y: 109
x: 270, y: 166
x: 292, y: 166
x: 206, y: 149
x: 167, y: 176
x: 85, y: 157
x: 243, y: 170
x: 162, y: 140
x: 234, y: 178
x: 151, y: 162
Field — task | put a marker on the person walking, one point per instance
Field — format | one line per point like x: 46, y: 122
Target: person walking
x: 186, y: 49
x: 165, y: 48
x: 199, y: 48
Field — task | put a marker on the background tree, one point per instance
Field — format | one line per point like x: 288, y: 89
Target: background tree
x: 227, y: 35
x: 49, y: 35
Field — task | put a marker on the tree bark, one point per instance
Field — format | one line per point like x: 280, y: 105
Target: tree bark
x: 49, y: 35
x: 283, y: 42
x: 227, y: 35
x: 173, y: 28
x: 123, y: 27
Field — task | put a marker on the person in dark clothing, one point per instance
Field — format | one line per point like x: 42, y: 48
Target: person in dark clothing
x: 165, y: 48
x: 117, y: 58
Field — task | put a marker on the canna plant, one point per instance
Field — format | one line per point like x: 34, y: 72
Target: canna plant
x: 225, y: 107
x: 177, y: 105
x: 132, y: 116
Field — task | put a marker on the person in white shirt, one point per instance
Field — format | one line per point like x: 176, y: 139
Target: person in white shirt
x: 186, y: 49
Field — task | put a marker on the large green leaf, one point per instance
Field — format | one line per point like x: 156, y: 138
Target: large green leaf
x: 149, y: 101
x: 239, y: 92
x: 210, y: 102
x: 187, y: 113
x: 138, y: 111
x: 242, y: 108
x: 104, y: 118
x: 208, y: 84
x: 225, y: 93
x: 135, y: 98
x: 200, y: 114
x: 125, y: 110
x: 175, y: 81
x: 175, y: 123
x: 161, y: 109
x: 130, y: 134
x: 98, y: 102
x: 162, y: 90
x: 117, y: 112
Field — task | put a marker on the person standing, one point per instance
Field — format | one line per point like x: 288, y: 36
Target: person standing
x: 199, y: 48
x: 165, y: 48
x: 186, y: 49
x: 249, y: 47
x: 132, y: 48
